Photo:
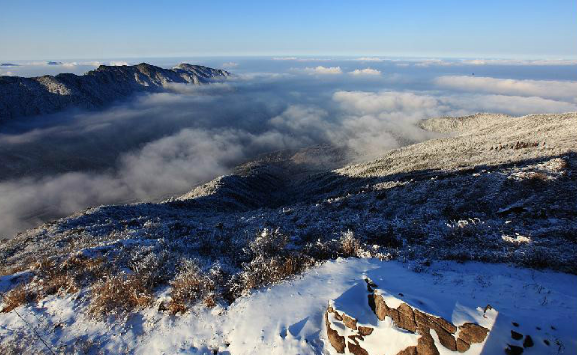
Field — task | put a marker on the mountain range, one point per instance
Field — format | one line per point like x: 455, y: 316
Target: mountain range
x: 47, y: 94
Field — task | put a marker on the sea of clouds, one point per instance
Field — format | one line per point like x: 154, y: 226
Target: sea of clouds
x: 158, y: 145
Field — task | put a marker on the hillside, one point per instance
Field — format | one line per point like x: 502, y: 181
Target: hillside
x: 48, y: 94
x: 496, y: 189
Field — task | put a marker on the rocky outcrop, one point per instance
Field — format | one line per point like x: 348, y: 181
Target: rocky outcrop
x: 454, y: 338
x: 21, y: 96
x: 352, y: 340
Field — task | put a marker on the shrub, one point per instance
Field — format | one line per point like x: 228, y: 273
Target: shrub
x: 350, y: 246
x: 153, y: 268
x: 120, y: 294
x: 188, y: 286
x: 265, y: 271
x: 268, y: 243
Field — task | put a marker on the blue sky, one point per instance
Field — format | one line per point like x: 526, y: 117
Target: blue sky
x: 442, y: 28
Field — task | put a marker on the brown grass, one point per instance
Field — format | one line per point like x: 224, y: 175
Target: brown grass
x: 120, y: 293
x: 68, y: 276
x: 15, y: 298
x: 58, y: 284
x: 187, y: 287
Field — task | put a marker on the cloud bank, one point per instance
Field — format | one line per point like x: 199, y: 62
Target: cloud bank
x: 493, y: 62
x: 539, y: 88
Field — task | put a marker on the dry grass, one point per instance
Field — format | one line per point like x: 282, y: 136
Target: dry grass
x: 58, y: 284
x: 68, y: 276
x: 15, y: 298
x: 51, y: 279
x: 120, y: 294
x: 190, y: 285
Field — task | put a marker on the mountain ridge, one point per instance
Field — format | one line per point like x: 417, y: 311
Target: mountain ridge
x: 22, y: 96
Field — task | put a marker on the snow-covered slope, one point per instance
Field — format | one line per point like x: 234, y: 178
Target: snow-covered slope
x: 289, y: 318
x: 499, y: 190
x: 21, y: 96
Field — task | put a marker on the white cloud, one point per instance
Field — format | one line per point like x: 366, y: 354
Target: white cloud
x: 324, y: 70
x: 118, y: 63
x: 302, y: 121
x: 366, y: 71
x: 230, y: 65
x: 370, y: 59
x: 540, y: 88
x: 515, y: 105
x: 75, y: 64
x: 418, y: 106
x: 374, y: 122
x: 93, y: 63
x: 361, y: 102
x: 163, y: 167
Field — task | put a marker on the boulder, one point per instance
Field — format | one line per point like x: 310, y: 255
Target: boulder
x: 337, y: 341
x: 350, y: 322
x: 365, y: 330
x: 426, y: 345
x: 472, y: 333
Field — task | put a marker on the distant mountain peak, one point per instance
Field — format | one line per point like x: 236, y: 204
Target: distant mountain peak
x: 20, y: 96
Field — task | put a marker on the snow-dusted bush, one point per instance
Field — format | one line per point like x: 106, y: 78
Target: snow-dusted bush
x: 190, y: 285
x: 268, y: 243
x: 350, y: 246
x: 119, y: 295
x: 263, y: 271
